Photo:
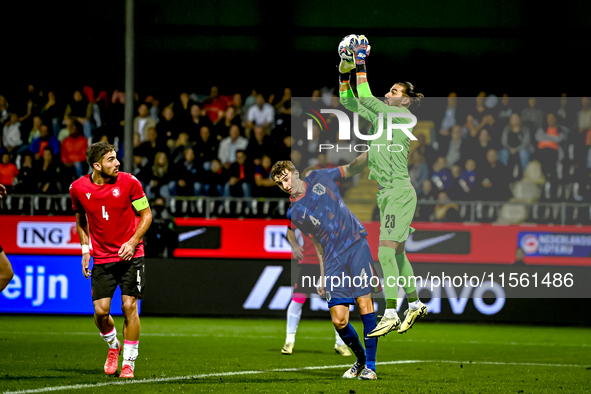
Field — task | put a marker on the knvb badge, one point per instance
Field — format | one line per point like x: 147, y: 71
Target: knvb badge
x: 345, y: 128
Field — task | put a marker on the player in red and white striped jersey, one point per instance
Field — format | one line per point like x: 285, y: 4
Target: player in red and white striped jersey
x: 103, y: 203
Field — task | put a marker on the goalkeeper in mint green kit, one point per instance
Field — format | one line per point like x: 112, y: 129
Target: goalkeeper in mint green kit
x: 397, y: 199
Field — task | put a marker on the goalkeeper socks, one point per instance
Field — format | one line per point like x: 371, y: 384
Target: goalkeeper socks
x: 294, y: 314
x: 111, y: 338
x: 371, y: 344
x: 386, y: 256
x: 351, y: 339
x: 405, y: 270
x: 130, y: 351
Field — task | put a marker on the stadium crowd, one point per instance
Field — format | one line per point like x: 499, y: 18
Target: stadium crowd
x: 224, y: 145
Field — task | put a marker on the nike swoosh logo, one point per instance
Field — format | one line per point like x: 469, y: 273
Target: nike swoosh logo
x: 191, y: 234
x: 415, y: 246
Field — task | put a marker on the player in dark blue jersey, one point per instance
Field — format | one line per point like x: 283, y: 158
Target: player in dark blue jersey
x: 347, y: 274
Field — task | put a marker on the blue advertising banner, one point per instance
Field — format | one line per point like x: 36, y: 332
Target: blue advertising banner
x: 50, y: 284
x: 555, y: 244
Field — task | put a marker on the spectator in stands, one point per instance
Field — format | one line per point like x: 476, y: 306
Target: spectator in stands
x: 153, y: 104
x: 467, y: 179
x: 445, y: 210
x: 428, y: 194
x: 4, y: 115
x: 215, y: 106
x: 248, y: 103
x: 516, y: 142
x: 261, y: 115
x: 161, y: 182
x: 183, y: 108
x: 564, y: 113
x: 187, y: 175
x: 11, y: 136
x: 51, y: 113
x: 195, y: 122
x: 581, y: 134
x: 74, y: 150
x: 80, y: 109
x: 8, y: 172
x: 149, y: 147
x: 49, y: 174
x: 282, y: 123
x: 230, y: 145
x: 504, y: 112
x: 296, y: 158
x: 35, y: 130
x: 449, y: 120
x: 455, y: 191
x: 38, y: 145
x: 214, y: 180
x: 241, y: 175
x: 265, y: 185
x: 532, y: 117
x: 225, y: 123
x: 492, y: 179
x: 178, y: 149
x: 282, y: 150
x: 479, y: 116
x: 454, y: 149
x: 441, y: 177
x: 426, y: 150
x: 65, y: 132
x: 418, y: 171
x: 238, y: 107
x: 206, y: 148
x: 143, y: 122
x: 168, y: 127
x: 549, y: 139
x: 27, y: 181
x: 258, y: 145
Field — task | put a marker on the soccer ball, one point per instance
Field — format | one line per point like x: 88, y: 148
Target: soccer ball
x: 346, y: 47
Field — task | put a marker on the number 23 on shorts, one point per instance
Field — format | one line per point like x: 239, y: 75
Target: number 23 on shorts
x: 390, y: 221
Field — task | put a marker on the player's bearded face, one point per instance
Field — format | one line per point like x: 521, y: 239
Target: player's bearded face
x: 395, y: 97
x: 110, y: 165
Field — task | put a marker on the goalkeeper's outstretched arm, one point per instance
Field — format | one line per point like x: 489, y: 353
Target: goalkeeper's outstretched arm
x: 356, y: 166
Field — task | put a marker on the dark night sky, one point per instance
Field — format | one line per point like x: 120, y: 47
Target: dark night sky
x: 499, y: 46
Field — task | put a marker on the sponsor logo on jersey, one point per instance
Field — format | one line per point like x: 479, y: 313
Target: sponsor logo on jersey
x: 88, y: 195
x: 319, y: 189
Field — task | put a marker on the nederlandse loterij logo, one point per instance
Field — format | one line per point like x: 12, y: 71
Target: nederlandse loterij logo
x: 345, y: 127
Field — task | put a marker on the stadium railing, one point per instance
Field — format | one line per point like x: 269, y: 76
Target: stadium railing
x: 561, y: 213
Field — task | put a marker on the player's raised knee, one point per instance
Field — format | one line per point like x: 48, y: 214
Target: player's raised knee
x: 339, y: 322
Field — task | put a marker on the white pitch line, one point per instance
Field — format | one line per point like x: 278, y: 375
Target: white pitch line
x: 239, y: 373
x: 162, y: 334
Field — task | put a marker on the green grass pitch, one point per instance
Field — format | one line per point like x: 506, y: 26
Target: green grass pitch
x: 42, y: 353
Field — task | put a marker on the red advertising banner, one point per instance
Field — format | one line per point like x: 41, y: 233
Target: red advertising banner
x: 432, y: 242
x: 265, y: 239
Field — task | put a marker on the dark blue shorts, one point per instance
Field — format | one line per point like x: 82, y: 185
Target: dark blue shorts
x: 349, y: 276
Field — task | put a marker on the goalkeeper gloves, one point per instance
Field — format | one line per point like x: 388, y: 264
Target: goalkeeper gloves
x: 361, y: 50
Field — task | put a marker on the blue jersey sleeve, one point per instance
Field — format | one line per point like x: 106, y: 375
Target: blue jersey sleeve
x: 335, y: 173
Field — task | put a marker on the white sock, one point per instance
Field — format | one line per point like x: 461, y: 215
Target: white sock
x: 390, y: 313
x: 130, y: 351
x: 111, y: 338
x: 339, y: 340
x: 414, y: 305
x: 294, y: 314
